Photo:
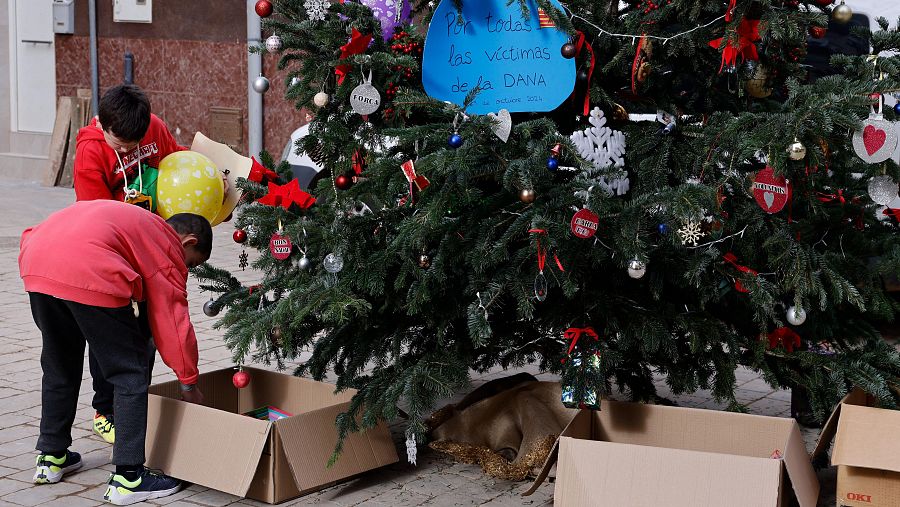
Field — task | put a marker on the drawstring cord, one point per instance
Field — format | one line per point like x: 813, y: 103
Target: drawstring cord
x: 125, y: 173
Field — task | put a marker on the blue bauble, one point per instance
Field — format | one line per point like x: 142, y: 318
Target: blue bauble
x: 455, y: 141
x: 897, y: 107
x: 552, y: 163
x: 663, y: 229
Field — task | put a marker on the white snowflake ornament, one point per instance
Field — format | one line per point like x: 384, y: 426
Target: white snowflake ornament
x: 411, y: 450
x: 604, y: 148
x: 316, y: 9
x: 690, y: 233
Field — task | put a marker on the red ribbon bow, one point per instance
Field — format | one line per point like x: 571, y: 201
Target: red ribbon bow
x: 732, y: 259
x: 747, y: 34
x: 286, y: 195
x: 357, y: 45
x: 839, y: 197
x: 260, y: 174
x: 542, y: 252
x: 581, y: 43
x: 573, y: 334
x: 729, y: 13
x: 786, y: 337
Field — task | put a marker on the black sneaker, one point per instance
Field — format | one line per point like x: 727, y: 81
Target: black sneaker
x: 150, y: 485
x: 50, y: 470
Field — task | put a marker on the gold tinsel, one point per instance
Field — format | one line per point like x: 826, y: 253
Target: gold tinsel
x: 493, y: 463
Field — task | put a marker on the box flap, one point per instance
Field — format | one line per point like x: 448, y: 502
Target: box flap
x: 203, y: 445
x: 578, y: 427
x: 855, y: 397
x: 863, y: 438
x: 308, y: 440
x: 637, y: 475
x: 800, y: 470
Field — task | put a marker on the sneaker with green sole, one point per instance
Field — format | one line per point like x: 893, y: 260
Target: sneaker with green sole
x: 149, y: 485
x: 51, y: 470
x: 104, y: 427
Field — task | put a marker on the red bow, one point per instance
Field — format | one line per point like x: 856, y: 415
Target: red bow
x: 747, y: 33
x: 787, y: 337
x: 357, y: 45
x: 729, y: 12
x: 574, y: 333
x: 286, y: 195
x: 260, y: 174
x: 839, y: 197
x: 732, y: 259
x: 359, y: 162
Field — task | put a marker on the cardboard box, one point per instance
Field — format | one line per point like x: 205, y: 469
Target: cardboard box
x: 866, y: 452
x: 218, y: 447
x: 647, y: 455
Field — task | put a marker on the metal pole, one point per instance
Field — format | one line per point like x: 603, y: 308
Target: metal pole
x: 95, y: 72
x: 254, y: 69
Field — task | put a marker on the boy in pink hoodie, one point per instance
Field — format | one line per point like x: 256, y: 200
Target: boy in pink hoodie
x: 85, y: 269
x: 112, y: 152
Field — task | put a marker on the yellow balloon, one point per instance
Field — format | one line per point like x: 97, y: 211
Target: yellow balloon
x: 189, y: 183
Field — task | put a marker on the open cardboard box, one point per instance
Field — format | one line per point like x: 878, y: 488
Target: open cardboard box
x: 647, y: 455
x: 218, y: 447
x: 866, y: 452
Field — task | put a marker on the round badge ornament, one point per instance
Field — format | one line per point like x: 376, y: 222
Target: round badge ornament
x: 876, y: 141
x: 365, y: 99
x: 585, y: 223
x: 771, y: 192
x: 280, y: 246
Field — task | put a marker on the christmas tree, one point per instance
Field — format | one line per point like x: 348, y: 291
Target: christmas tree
x: 465, y: 221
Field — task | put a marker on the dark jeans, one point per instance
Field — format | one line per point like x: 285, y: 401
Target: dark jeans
x: 103, y: 390
x: 115, y: 332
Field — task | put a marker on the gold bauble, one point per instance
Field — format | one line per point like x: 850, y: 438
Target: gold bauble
x: 527, y: 195
x: 424, y: 261
x: 796, y: 150
x: 757, y: 86
x: 842, y: 13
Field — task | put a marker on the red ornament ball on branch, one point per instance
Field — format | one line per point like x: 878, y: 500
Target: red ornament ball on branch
x: 241, y: 379
x: 239, y: 236
x: 343, y: 182
x: 263, y: 8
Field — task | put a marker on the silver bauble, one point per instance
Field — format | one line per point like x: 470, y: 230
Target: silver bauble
x: 274, y: 44
x: 210, y: 308
x: 304, y: 263
x: 365, y: 99
x: 321, y: 99
x: 842, y: 13
x: 333, y: 263
x: 796, y: 316
x: 796, y: 150
x: 261, y: 84
x: 636, y: 269
x: 883, y: 190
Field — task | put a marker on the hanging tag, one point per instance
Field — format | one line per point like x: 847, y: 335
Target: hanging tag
x: 365, y: 99
x: 585, y: 223
x: 877, y: 140
x: 771, y: 192
x: 280, y: 245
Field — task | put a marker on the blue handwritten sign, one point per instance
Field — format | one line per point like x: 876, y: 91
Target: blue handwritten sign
x: 515, y: 62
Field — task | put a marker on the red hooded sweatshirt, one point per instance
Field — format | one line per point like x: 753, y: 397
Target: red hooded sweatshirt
x: 98, y: 173
x: 107, y: 254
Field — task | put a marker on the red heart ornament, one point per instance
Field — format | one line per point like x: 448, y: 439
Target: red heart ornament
x: 873, y: 139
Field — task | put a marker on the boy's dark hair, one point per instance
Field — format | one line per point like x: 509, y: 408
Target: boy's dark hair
x: 189, y: 223
x: 125, y: 112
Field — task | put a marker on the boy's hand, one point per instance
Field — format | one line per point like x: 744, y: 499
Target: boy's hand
x: 194, y: 396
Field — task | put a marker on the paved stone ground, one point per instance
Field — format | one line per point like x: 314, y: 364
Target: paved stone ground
x: 437, y: 480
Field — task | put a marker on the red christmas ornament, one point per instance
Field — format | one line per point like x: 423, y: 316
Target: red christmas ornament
x: 239, y: 236
x: 280, y: 246
x: 343, y: 182
x: 585, y: 223
x: 817, y: 32
x: 240, y: 379
x: 263, y: 8
x: 771, y: 192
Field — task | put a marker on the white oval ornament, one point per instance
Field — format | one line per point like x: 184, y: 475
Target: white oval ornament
x: 365, y: 99
x: 876, y: 141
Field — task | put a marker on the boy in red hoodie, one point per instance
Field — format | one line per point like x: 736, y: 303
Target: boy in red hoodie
x: 84, y: 268
x: 111, y: 153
